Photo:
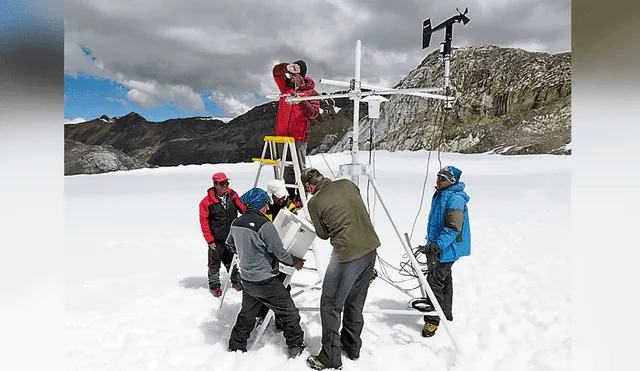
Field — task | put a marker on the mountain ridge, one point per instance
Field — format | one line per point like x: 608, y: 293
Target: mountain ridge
x: 509, y: 101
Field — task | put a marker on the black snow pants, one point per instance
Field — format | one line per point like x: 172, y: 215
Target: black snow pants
x: 272, y: 293
x: 441, y: 282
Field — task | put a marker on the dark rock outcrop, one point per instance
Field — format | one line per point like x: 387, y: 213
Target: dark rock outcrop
x: 200, y: 140
x: 80, y: 158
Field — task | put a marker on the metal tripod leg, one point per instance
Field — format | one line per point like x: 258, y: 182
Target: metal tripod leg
x: 416, y: 266
x: 227, y: 282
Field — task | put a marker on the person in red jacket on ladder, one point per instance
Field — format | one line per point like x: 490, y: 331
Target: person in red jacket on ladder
x: 293, y: 119
x: 218, y: 209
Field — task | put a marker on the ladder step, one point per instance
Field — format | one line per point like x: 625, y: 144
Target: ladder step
x: 271, y: 161
x: 265, y: 161
x: 279, y: 139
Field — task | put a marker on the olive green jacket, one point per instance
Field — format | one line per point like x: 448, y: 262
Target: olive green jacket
x: 339, y: 214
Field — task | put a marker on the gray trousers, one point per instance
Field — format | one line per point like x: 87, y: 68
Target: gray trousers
x: 345, y: 287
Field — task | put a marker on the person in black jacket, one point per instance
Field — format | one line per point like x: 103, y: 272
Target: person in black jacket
x: 259, y: 247
x: 278, y: 199
x: 218, y: 209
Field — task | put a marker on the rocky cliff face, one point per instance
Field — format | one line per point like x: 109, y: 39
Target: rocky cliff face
x: 509, y: 101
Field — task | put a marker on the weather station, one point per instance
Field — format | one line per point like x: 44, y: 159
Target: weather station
x: 374, y: 97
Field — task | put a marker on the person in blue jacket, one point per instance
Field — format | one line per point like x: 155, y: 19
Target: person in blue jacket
x: 448, y: 239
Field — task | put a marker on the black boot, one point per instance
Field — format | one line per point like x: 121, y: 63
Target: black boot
x: 374, y: 275
x: 350, y: 354
x: 296, y: 350
x: 316, y: 364
x: 429, y: 329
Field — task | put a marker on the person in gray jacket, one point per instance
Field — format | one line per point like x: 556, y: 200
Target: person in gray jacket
x: 259, y: 247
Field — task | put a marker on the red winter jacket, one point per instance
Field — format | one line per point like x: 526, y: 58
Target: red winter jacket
x: 293, y: 119
x: 215, y: 220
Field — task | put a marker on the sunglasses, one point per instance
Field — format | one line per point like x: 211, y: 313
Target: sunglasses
x: 444, y: 178
x: 224, y: 183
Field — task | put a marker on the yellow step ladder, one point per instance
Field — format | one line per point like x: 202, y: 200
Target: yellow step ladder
x: 279, y: 163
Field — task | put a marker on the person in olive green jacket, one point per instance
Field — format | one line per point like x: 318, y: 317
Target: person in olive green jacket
x: 339, y: 215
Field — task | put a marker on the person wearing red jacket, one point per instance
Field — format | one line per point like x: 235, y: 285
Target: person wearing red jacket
x: 218, y: 209
x: 293, y: 119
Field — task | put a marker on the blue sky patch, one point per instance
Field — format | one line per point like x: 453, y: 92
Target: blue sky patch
x: 90, y: 97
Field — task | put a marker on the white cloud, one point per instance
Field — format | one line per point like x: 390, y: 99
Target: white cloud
x: 530, y: 46
x: 173, y: 51
x: 234, y: 105
x: 77, y: 120
x: 152, y: 94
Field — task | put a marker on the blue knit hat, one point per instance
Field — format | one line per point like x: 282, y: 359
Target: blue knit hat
x: 255, y: 198
x: 451, y: 173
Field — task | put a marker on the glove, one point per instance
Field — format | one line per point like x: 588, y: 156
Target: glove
x: 422, y: 248
x: 433, y: 254
x: 433, y: 248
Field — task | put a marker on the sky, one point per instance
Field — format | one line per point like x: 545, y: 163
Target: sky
x: 171, y: 58
x: 146, y: 306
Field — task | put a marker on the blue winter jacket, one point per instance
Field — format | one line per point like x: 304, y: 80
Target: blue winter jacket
x: 444, y: 223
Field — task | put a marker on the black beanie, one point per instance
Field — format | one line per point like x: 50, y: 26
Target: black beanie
x: 303, y: 67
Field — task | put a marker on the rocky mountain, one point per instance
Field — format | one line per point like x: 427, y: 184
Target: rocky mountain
x: 509, y: 101
x: 80, y: 158
x: 199, y: 140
